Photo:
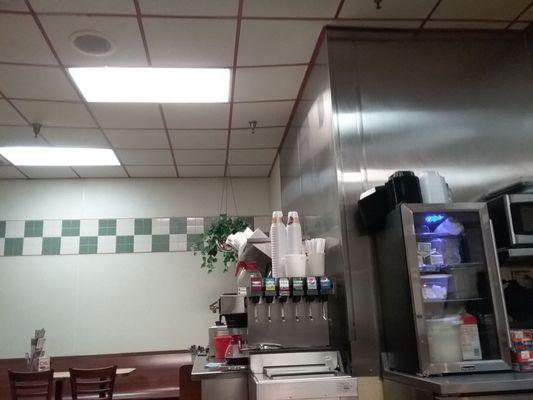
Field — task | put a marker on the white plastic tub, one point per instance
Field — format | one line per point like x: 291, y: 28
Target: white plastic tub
x: 444, y: 339
x: 435, y: 286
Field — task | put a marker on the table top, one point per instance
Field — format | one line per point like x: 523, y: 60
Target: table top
x: 66, y: 374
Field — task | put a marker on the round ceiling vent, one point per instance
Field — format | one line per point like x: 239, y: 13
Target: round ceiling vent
x: 92, y: 43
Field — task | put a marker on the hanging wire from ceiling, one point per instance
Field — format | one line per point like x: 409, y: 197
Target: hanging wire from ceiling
x: 378, y: 4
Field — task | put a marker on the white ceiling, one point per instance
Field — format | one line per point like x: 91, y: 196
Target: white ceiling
x: 266, y: 43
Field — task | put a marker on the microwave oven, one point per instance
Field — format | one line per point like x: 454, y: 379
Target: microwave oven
x: 512, y: 219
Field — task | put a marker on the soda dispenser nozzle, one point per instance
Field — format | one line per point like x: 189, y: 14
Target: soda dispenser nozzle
x: 269, y: 294
x: 311, y: 291
x: 284, y: 292
x: 256, y: 293
x: 297, y: 291
x: 325, y: 289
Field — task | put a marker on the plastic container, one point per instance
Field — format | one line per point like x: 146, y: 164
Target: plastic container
x: 221, y: 344
x: 244, y: 271
x: 444, y: 339
x: 278, y: 243
x: 295, y: 265
x: 316, y: 264
x: 449, y: 247
x: 434, y: 188
x: 435, y: 286
x: 464, y: 281
x: 294, y: 234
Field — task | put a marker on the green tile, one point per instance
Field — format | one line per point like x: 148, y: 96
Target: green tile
x: 51, y: 245
x: 160, y: 243
x: 143, y: 226
x: 33, y: 229
x: 2, y: 229
x: 107, y: 227
x: 193, y: 239
x: 124, y: 244
x: 13, y: 246
x: 70, y: 227
x: 178, y: 225
x: 88, y: 244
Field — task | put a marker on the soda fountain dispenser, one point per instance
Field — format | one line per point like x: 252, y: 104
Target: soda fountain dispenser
x: 297, y: 293
x: 256, y: 293
x: 284, y: 292
x: 326, y: 289
x: 311, y: 291
x: 269, y: 294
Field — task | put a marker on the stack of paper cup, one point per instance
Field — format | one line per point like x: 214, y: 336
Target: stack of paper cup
x: 434, y: 188
x: 294, y: 234
x: 278, y: 243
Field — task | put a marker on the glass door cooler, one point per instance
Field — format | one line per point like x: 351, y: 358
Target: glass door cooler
x: 440, y: 290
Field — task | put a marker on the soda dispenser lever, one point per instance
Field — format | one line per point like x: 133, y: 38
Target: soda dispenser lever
x: 311, y: 291
x: 284, y: 292
x: 256, y: 292
x: 270, y: 294
x: 326, y: 289
x: 297, y: 293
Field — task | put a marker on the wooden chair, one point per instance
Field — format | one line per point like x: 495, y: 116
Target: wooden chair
x: 31, y: 385
x: 94, y: 381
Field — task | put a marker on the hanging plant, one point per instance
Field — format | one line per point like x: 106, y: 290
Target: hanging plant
x: 213, y: 241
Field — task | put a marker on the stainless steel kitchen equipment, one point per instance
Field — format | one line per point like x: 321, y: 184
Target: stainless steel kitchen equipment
x: 305, y: 375
x: 417, y: 338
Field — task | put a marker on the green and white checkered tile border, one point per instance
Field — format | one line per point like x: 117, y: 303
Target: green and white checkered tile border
x: 104, y: 236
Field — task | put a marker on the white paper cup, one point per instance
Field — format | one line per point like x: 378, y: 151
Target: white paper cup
x: 295, y: 265
x: 316, y: 264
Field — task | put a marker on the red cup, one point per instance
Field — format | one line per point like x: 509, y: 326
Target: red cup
x: 221, y: 344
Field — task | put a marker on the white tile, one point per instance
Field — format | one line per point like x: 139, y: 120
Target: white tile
x: 197, y: 116
x: 89, y: 227
x: 8, y: 172
x: 267, y: 42
x: 145, y: 157
x: 249, y: 170
x: 263, y: 137
x: 48, y: 172
x: 14, y: 229
x: 101, y: 172
x: 138, y: 139
x: 160, y: 226
x: 195, y: 225
x: 32, y: 246
x: 70, y: 245
x: 124, y: 116
x: 13, y: 5
x: 55, y: 113
x: 125, y: 226
x: 3, y: 242
x: 269, y: 83
x: 151, y: 171
x: 190, y: 7
x: 480, y: 9
x: 122, y: 32
x: 190, y: 42
x: 178, y: 242
x: 200, y: 157
x: 142, y: 243
x: 373, y: 23
x: 47, y: 83
x: 19, y: 136
x: 250, y: 157
x: 52, y: 228
x: 8, y: 115
x: 84, y: 6
x: 199, y: 139
x: 292, y: 8
x: 106, y: 244
x: 21, y: 41
x: 464, y: 25
x: 198, y: 171
x: 75, y: 137
x: 266, y: 113
x: 389, y: 9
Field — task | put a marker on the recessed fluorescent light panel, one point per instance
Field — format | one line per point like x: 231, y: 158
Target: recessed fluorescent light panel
x: 58, y: 156
x: 153, y: 85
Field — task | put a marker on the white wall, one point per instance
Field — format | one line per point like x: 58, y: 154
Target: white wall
x: 275, y: 186
x: 94, y: 304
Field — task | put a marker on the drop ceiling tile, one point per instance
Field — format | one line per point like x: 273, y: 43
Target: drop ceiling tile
x: 270, y: 83
x: 8, y: 172
x: 265, y: 113
x: 190, y: 7
x: 528, y: 15
x: 153, y: 171
x: 138, y: 139
x: 464, y: 25
x: 8, y: 115
x: 75, y: 137
x: 480, y: 9
x: 190, y: 42
x: 293, y: 8
x: 84, y: 6
x: 124, y: 116
x: 372, y: 23
x: 55, y: 113
x: 200, y: 157
x: 248, y: 170
x: 123, y: 32
x: 48, y: 172
x: 101, y: 172
x: 19, y: 136
x: 389, y: 9
x: 145, y: 157
x: 13, y: 5
x: 44, y: 83
x: 199, y: 139
x: 29, y: 47
x: 197, y: 116
x: 519, y: 26
x: 263, y: 137
x: 199, y: 171
x: 277, y: 42
x: 250, y: 157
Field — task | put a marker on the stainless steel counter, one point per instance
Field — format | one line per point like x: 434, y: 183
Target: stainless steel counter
x: 200, y: 371
x: 226, y: 382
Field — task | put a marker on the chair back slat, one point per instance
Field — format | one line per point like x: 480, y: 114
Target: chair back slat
x: 31, y: 385
x: 94, y: 381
